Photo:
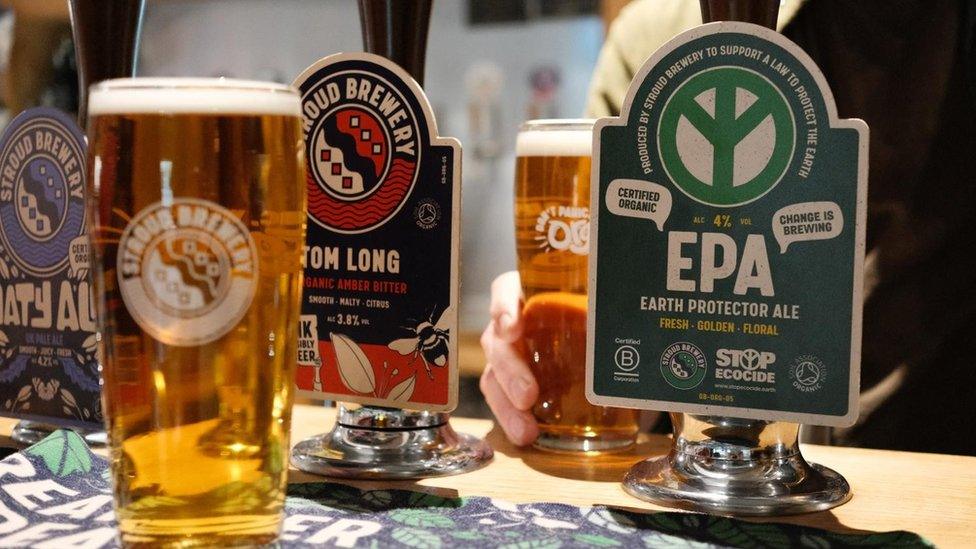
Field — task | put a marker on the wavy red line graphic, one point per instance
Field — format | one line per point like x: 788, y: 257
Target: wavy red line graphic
x: 351, y: 216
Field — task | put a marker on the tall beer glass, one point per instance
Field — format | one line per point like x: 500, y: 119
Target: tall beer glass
x: 552, y: 226
x: 199, y: 226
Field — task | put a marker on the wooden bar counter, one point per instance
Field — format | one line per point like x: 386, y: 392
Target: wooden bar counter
x: 932, y: 495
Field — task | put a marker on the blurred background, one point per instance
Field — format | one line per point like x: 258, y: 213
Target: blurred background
x: 491, y: 64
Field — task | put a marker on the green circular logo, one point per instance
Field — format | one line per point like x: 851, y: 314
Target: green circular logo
x: 726, y: 136
x: 683, y: 365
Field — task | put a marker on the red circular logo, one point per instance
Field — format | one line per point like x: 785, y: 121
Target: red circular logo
x: 363, y: 161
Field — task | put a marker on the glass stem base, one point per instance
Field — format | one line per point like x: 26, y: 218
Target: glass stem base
x: 569, y: 443
x: 385, y: 443
x: 731, y: 466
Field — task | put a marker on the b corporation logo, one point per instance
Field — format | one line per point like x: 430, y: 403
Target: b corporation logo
x: 683, y: 365
x: 42, y: 194
x: 187, y: 271
x: 626, y: 359
x: 363, y: 150
x: 808, y: 373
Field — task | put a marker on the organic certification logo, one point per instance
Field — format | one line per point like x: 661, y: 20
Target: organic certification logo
x: 808, y: 373
x: 427, y: 213
x: 726, y: 136
x: 683, y: 365
x: 187, y: 271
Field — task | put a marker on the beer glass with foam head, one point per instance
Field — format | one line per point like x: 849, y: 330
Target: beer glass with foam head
x: 199, y: 197
x: 552, y: 229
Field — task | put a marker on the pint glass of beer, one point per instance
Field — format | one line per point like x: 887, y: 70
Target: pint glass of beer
x: 199, y: 223
x: 552, y: 229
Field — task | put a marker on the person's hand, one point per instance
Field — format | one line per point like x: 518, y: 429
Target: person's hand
x: 507, y: 383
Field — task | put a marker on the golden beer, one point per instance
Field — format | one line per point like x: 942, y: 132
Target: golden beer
x: 552, y: 198
x: 200, y: 197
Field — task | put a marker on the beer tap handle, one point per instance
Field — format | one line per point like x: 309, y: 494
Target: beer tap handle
x: 106, y: 36
x: 759, y: 12
x: 397, y: 30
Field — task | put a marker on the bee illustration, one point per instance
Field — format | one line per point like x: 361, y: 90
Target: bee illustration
x: 429, y: 343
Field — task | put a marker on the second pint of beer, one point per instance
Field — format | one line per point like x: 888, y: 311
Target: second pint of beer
x: 552, y: 226
x: 200, y: 196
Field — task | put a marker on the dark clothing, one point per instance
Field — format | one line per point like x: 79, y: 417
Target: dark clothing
x: 903, y: 67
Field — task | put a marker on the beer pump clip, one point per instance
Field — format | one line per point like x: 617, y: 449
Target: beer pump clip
x: 731, y: 179
x: 53, y: 381
x: 379, y: 321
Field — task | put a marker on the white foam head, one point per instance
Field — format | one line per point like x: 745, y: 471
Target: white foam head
x: 192, y: 96
x: 571, y: 137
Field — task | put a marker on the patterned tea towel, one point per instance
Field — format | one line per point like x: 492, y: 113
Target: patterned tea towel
x: 56, y: 494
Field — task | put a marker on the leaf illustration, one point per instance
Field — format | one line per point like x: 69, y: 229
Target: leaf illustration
x: 4, y: 272
x: 746, y: 534
x: 423, y: 499
x: 295, y: 502
x: 596, y: 540
x: 4, y: 341
x: 378, y: 498
x: 90, y: 343
x: 533, y: 544
x: 68, y: 398
x: 403, y: 390
x: 552, y: 524
x: 814, y: 542
x: 660, y: 540
x: 661, y: 521
x: 421, y: 539
x: 335, y: 497
x: 422, y: 518
x: 898, y: 538
x: 307, y: 490
x: 63, y: 452
x: 611, y: 519
x: 467, y: 535
x: 354, y: 368
x: 692, y: 520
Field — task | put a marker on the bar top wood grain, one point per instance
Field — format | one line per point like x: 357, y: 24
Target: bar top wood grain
x: 932, y: 495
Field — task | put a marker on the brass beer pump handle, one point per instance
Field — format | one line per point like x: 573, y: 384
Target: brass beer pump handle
x: 759, y: 12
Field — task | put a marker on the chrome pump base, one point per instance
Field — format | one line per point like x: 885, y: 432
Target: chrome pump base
x: 388, y: 443
x: 31, y: 432
x: 730, y: 466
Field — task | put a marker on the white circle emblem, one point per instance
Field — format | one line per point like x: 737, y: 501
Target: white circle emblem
x: 187, y: 271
